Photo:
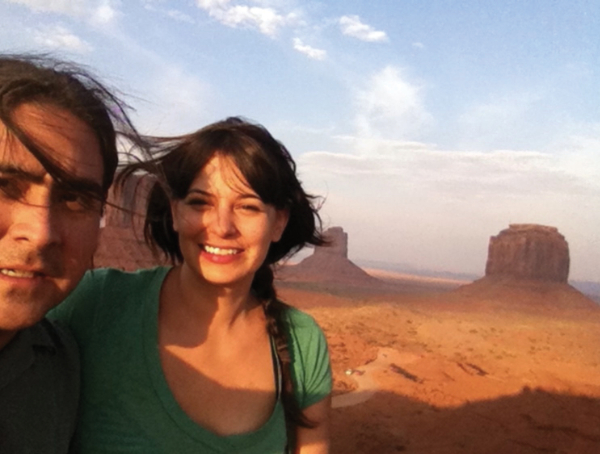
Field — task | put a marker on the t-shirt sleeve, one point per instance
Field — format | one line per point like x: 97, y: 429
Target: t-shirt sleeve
x: 310, y: 359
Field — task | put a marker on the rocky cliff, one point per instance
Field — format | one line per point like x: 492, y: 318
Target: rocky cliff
x: 527, y: 269
x: 329, y: 263
x: 337, y: 244
x: 529, y: 251
x: 121, y: 244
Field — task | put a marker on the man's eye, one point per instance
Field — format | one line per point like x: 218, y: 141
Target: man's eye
x: 11, y: 188
x: 77, y: 202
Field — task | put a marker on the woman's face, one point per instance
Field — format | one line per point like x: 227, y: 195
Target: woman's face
x: 224, y: 228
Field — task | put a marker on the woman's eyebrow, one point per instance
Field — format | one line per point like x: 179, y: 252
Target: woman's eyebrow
x: 199, y: 191
x: 249, y: 196
x: 242, y: 195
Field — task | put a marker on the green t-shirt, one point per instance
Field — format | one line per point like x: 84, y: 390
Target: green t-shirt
x: 126, y: 403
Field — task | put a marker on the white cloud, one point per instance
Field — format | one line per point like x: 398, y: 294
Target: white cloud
x: 103, y: 13
x: 179, y: 16
x: 418, y: 45
x: 390, y: 106
x: 458, y: 174
x: 352, y: 26
x: 154, y: 6
x: 580, y: 154
x: 437, y: 209
x: 310, y: 52
x: 179, y: 102
x: 69, y: 7
x: 97, y: 12
x: 496, y: 111
x: 266, y: 19
x: 212, y: 4
x: 59, y: 37
x: 501, y: 119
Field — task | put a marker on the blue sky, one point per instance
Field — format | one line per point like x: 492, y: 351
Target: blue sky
x: 428, y: 125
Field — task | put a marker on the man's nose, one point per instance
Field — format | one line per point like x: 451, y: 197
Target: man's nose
x: 36, y: 223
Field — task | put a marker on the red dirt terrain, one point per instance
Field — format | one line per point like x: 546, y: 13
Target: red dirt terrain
x: 485, y: 368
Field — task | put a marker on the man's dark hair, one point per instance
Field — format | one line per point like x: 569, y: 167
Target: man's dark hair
x: 44, y: 80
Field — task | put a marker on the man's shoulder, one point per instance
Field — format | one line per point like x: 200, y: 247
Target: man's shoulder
x: 39, y: 389
x: 52, y: 334
x: 43, y: 353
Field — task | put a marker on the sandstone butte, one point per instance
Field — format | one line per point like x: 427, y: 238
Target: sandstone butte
x: 528, y: 267
x: 328, y: 264
x: 121, y: 243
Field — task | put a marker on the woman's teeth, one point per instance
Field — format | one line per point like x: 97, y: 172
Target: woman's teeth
x: 219, y: 251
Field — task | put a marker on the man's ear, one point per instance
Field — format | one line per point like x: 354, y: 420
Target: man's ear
x: 281, y: 219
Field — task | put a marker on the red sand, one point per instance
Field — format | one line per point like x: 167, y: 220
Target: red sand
x: 453, y: 373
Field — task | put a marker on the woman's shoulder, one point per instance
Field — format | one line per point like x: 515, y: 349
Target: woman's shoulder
x: 101, y: 290
x: 303, y: 330
x: 116, y: 277
x: 298, y: 319
x: 114, y: 285
x: 309, y: 356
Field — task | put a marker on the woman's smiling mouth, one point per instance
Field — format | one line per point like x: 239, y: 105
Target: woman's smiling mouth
x: 220, y: 251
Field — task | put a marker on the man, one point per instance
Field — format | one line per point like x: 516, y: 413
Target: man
x: 58, y: 157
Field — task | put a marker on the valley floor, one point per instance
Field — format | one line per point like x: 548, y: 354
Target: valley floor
x: 438, y: 373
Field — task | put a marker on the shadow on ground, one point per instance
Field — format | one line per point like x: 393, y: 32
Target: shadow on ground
x: 531, y: 422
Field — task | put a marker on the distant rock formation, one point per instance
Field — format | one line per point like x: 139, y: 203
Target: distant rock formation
x: 328, y: 263
x: 337, y: 244
x: 121, y: 243
x: 127, y: 205
x: 527, y: 269
x: 529, y: 251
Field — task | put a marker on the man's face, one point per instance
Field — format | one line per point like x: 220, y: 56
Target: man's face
x: 48, y: 232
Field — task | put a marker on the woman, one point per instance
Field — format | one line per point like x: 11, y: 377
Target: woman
x: 202, y: 357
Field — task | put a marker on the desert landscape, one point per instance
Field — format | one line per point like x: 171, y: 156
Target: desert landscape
x: 442, y: 373
x: 509, y: 363
x: 502, y: 365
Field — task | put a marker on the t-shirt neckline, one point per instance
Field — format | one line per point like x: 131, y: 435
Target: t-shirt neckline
x: 161, y: 387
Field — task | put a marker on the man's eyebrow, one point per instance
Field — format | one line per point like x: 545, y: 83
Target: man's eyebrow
x: 71, y: 183
x: 22, y: 173
x: 84, y: 185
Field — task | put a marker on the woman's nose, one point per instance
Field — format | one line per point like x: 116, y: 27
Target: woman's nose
x: 224, y: 221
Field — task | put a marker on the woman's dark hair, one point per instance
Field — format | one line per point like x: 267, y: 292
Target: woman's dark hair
x: 270, y: 171
x: 44, y: 80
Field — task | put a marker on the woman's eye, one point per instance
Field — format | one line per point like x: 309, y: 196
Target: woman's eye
x: 251, y: 208
x: 196, y: 203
